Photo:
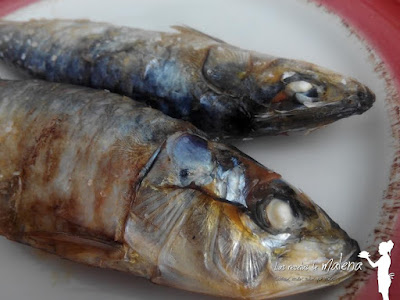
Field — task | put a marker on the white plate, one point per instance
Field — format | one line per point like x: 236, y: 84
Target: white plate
x: 343, y: 167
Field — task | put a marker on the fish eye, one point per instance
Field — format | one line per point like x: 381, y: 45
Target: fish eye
x: 303, y: 92
x: 286, y: 75
x: 298, y: 87
x: 291, y: 76
x: 279, y: 214
x: 275, y: 215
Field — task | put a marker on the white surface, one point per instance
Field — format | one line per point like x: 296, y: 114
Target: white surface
x: 343, y: 167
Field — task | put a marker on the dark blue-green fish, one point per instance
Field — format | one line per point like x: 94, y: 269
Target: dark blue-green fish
x: 226, y: 91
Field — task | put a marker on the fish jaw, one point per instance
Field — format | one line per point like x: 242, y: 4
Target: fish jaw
x: 276, y: 122
x: 211, y: 220
x: 311, y: 263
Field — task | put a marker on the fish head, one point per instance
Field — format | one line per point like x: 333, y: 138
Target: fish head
x: 231, y: 227
x: 300, y: 95
x: 306, y: 248
x: 286, y: 242
x: 277, y: 95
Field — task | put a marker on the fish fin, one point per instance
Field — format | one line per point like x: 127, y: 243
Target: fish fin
x: 189, y: 30
x: 163, y: 210
x: 244, y: 262
x: 44, y: 238
x: 81, y: 249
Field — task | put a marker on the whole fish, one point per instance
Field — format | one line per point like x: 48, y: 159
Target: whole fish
x: 223, y: 90
x: 97, y: 178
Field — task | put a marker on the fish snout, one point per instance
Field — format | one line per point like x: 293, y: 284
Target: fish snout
x: 365, y: 99
x: 357, y: 99
x: 354, y: 248
x: 335, y: 241
x: 345, y: 248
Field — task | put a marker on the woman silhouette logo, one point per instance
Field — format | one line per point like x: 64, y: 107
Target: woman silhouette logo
x: 384, y: 277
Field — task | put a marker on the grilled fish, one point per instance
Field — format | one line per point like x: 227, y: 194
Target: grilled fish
x: 97, y: 178
x: 223, y: 90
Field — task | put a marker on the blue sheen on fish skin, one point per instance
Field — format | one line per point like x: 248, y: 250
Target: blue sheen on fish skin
x: 166, y: 81
x: 53, y: 64
x: 37, y: 62
x: 190, y: 152
x: 207, y: 101
x: 113, y: 76
x: 99, y: 73
x: 76, y: 70
x: 62, y: 62
x: 235, y: 161
x: 51, y: 73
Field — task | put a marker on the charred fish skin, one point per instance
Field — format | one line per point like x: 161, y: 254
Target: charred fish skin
x: 224, y: 90
x: 97, y: 178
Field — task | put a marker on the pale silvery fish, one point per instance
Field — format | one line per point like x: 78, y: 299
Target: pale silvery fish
x: 97, y: 178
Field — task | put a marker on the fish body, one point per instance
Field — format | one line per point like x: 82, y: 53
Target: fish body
x: 97, y: 178
x: 225, y: 91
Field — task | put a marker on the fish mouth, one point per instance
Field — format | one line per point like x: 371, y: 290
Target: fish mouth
x: 348, y: 266
x: 304, y: 114
x: 322, y: 278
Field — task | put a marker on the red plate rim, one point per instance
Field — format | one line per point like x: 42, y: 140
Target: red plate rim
x: 377, y: 22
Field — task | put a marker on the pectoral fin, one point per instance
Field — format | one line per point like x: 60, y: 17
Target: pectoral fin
x: 77, y: 248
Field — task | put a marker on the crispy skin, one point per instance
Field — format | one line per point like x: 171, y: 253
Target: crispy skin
x: 223, y: 90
